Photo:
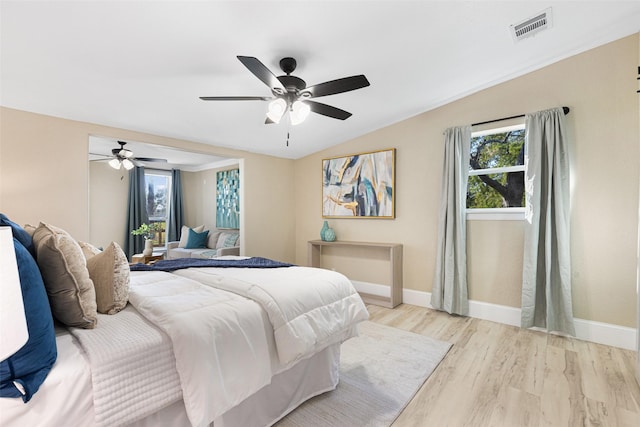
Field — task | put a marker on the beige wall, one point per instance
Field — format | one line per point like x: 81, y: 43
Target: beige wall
x: 44, y: 176
x: 600, y: 88
x: 108, y: 194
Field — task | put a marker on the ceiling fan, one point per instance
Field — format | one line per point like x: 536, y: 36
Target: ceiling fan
x: 123, y: 157
x: 291, y: 94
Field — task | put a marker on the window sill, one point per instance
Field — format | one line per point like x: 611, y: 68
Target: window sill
x: 498, y: 214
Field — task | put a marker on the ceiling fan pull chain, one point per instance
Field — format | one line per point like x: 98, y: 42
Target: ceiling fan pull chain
x: 287, y: 138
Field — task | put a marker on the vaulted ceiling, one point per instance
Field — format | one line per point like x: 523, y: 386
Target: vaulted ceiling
x: 143, y: 65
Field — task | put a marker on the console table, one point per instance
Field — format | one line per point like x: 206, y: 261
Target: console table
x: 394, y: 251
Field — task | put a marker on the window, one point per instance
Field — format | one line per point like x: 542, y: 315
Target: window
x: 495, y: 189
x: 158, y: 196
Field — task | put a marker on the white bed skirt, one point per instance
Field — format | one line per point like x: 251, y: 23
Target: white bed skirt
x: 66, y: 398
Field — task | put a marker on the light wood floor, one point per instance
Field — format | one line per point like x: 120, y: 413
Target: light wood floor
x: 500, y: 375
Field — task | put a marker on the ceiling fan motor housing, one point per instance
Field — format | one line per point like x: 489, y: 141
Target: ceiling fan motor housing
x: 288, y: 65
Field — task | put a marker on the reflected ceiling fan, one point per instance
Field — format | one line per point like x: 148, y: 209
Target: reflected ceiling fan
x: 124, y: 158
x: 291, y: 94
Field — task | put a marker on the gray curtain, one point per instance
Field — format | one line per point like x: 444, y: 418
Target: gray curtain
x: 546, y: 287
x: 449, y: 291
x: 136, y: 212
x: 175, y: 207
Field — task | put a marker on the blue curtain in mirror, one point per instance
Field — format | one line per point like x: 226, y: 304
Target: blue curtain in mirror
x: 227, y: 199
x: 136, y: 212
x: 176, y: 220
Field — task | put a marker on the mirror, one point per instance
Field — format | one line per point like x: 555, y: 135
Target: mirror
x: 109, y: 185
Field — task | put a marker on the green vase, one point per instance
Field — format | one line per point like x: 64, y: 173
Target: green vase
x: 326, y: 233
x: 324, y: 228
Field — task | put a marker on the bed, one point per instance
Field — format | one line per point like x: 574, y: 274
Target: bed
x: 222, y: 346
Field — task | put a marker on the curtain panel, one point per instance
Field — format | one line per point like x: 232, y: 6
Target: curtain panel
x: 176, y: 220
x: 546, y: 287
x: 136, y: 212
x: 449, y: 292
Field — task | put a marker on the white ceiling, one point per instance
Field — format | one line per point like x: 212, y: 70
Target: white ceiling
x: 143, y: 65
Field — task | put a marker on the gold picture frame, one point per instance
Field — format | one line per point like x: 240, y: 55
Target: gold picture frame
x: 359, y: 185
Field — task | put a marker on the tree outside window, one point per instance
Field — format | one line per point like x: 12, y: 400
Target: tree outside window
x: 496, y: 169
x: 158, y: 185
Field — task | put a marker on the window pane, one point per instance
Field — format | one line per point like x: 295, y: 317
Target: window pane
x: 497, y: 150
x: 157, y: 193
x: 503, y: 190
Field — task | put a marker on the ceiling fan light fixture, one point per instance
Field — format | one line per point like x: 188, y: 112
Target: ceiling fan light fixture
x: 299, y: 112
x: 125, y: 153
x: 114, y: 163
x: 277, y: 108
x: 128, y: 164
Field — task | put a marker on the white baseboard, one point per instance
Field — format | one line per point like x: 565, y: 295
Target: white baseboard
x: 587, y: 330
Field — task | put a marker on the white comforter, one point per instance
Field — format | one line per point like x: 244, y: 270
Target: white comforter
x: 309, y: 308
x: 218, y: 340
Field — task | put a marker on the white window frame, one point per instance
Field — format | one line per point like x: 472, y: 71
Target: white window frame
x: 496, y: 214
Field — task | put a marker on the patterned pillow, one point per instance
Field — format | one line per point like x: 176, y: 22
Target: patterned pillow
x: 184, y: 234
x: 227, y: 240
x: 109, y: 271
x: 64, y: 270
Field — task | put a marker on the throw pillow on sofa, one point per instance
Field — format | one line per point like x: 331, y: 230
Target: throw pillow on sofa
x: 184, y: 234
x: 197, y: 240
x: 227, y: 240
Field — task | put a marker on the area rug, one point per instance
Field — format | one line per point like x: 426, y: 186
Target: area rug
x: 380, y: 372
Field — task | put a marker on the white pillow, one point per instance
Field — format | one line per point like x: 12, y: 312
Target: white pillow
x: 184, y: 234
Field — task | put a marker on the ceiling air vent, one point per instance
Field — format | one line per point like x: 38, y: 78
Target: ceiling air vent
x: 532, y: 26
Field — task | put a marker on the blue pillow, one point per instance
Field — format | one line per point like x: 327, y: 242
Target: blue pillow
x: 19, y: 233
x: 30, y: 365
x: 197, y: 240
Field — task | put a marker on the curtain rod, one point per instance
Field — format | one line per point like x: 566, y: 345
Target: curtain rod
x: 565, y: 109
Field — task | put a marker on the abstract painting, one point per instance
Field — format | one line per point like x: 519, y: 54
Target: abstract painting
x: 227, y: 199
x: 359, y: 185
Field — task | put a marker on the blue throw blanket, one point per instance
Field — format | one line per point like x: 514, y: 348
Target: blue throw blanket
x: 180, y: 263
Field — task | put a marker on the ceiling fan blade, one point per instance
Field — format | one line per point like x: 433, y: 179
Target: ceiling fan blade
x: 149, y: 159
x: 235, y: 98
x: 268, y: 121
x: 328, y: 110
x: 332, y: 87
x: 262, y: 72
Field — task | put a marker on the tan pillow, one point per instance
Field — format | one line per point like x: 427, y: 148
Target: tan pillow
x: 184, y: 234
x: 88, y: 250
x: 212, y: 241
x: 109, y: 271
x: 29, y: 229
x: 65, y: 274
